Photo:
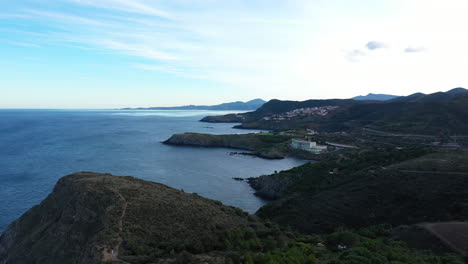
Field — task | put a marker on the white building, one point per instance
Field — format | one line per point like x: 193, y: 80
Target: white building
x: 308, y: 146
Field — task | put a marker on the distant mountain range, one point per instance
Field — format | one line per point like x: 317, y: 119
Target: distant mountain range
x: 376, y: 97
x: 238, y: 105
x: 416, y: 97
x: 278, y: 106
x: 433, y: 97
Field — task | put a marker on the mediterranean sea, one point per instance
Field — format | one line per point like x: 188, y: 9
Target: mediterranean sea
x: 37, y: 147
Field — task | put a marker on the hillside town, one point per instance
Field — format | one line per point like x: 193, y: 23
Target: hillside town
x: 302, y: 112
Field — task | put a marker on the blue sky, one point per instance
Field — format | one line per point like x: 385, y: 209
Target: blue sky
x: 129, y: 53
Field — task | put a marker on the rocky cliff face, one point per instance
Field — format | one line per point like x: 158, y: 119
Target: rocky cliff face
x: 245, y: 142
x: 271, y: 186
x: 99, y: 218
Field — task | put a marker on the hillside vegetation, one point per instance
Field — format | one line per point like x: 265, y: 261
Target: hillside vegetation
x: 100, y: 218
x: 384, y: 186
x: 94, y: 218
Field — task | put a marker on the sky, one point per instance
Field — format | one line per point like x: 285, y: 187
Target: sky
x: 141, y: 53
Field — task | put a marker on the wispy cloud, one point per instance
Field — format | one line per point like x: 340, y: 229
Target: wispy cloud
x: 414, y: 49
x: 62, y: 18
x: 374, y: 45
x: 24, y: 44
x: 210, y: 44
x: 130, y: 6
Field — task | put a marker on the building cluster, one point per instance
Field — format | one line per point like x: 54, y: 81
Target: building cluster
x: 303, y: 112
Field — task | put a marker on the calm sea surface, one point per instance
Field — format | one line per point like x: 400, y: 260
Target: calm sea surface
x: 37, y: 147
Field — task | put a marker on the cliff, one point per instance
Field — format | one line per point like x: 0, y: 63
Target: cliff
x: 263, y: 145
x: 245, y: 142
x: 98, y: 218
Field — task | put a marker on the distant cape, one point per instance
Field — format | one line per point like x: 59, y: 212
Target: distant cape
x: 249, y: 105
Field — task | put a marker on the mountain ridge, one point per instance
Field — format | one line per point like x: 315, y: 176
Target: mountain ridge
x: 432, y: 97
x: 377, y: 97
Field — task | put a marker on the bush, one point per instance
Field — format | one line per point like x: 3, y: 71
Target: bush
x: 341, y: 238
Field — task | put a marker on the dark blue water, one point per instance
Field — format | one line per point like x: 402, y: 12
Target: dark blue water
x: 37, y: 147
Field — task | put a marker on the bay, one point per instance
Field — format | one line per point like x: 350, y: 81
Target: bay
x: 37, y: 147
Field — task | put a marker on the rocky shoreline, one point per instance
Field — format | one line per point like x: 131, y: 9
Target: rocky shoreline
x: 269, y: 187
x: 249, y: 142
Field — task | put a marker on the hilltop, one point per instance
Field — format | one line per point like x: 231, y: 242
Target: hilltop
x: 238, y: 105
x: 94, y: 218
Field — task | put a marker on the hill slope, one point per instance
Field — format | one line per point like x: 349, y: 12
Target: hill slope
x: 373, y: 187
x: 414, y: 117
x: 93, y: 218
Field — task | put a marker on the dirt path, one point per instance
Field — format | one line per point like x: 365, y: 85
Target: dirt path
x: 112, y: 253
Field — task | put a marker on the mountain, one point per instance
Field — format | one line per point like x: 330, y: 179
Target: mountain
x: 95, y: 218
x: 249, y: 105
x: 434, y: 97
x: 377, y: 97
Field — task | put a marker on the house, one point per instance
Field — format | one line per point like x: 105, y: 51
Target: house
x: 307, y: 145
